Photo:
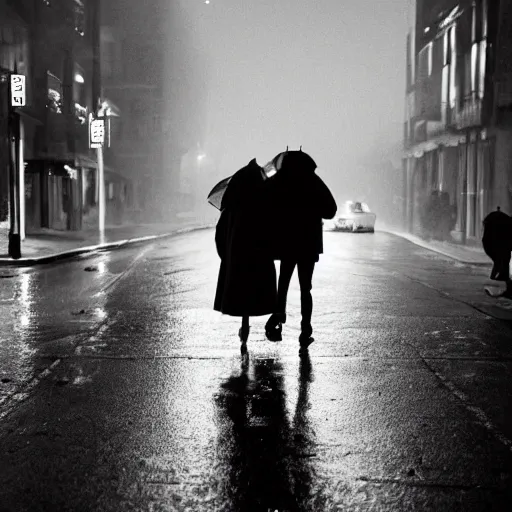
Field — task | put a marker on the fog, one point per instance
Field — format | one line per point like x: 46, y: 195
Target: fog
x: 249, y: 78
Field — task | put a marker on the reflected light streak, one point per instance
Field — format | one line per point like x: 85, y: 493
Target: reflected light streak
x: 25, y: 290
x: 100, y: 313
x: 25, y: 299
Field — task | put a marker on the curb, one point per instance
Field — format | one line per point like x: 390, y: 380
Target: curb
x: 425, y: 245
x: 91, y: 249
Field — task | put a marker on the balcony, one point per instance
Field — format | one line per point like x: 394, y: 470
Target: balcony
x: 470, y: 114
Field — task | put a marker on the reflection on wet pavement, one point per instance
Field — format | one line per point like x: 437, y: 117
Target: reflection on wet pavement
x: 263, y: 453
x: 152, y: 404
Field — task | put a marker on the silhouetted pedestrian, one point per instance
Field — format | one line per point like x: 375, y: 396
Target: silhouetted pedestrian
x: 497, y: 244
x: 299, y: 200
x: 246, y: 284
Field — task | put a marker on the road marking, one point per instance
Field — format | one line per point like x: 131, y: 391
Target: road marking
x: 124, y: 273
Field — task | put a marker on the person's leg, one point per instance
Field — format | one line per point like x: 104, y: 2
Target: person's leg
x: 508, y: 281
x: 285, y: 276
x: 243, y: 333
x: 273, y: 326
x: 305, y: 270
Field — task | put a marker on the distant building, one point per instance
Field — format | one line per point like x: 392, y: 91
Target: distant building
x: 458, y: 122
x: 149, y: 72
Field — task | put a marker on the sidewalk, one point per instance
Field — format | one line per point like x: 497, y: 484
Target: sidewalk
x: 50, y: 245
x: 461, y: 253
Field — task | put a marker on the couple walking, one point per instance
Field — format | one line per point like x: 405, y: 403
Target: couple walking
x: 267, y: 214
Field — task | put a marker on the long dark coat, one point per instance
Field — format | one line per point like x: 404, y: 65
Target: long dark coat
x: 497, y: 243
x: 298, y: 201
x: 246, y: 284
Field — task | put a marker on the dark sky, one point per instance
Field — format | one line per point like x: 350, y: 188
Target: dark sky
x: 324, y: 74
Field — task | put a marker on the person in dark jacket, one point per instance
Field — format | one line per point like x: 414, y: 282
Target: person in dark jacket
x: 246, y: 283
x: 299, y: 200
x: 497, y: 244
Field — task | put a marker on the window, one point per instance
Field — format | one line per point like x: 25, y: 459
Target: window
x: 478, y: 48
x: 425, y: 62
x: 54, y: 88
x: 79, y: 17
x: 453, y: 65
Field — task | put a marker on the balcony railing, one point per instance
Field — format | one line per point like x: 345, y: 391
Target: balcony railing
x: 470, y: 114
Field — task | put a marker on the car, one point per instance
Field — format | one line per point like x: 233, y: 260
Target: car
x: 356, y: 216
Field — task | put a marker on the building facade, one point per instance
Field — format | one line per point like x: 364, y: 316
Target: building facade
x: 53, y: 43
x: 457, y: 131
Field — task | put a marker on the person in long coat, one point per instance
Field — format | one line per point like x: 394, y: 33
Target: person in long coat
x: 497, y: 244
x: 299, y: 200
x: 246, y: 284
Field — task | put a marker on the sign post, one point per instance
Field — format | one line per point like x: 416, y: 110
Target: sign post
x: 17, y: 98
x: 98, y: 137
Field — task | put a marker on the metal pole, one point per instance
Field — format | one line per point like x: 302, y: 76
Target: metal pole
x: 14, y: 213
x: 101, y: 194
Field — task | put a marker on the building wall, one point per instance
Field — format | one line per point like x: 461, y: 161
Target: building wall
x: 462, y: 143
x: 502, y: 189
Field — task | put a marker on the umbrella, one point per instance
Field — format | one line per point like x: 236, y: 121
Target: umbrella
x: 239, y: 188
x: 294, y: 160
x: 217, y: 193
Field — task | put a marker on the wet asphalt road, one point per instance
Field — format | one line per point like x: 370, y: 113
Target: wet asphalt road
x: 122, y: 390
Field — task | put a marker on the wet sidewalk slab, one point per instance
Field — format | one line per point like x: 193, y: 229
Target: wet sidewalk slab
x: 46, y: 245
x: 496, y: 307
x: 461, y: 253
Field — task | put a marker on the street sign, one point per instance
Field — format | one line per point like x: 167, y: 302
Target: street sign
x: 96, y: 132
x: 18, y: 91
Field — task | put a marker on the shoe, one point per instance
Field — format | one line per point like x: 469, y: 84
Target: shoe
x: 305, y: 341
x: 243, y: 334
x: 274, y: 333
